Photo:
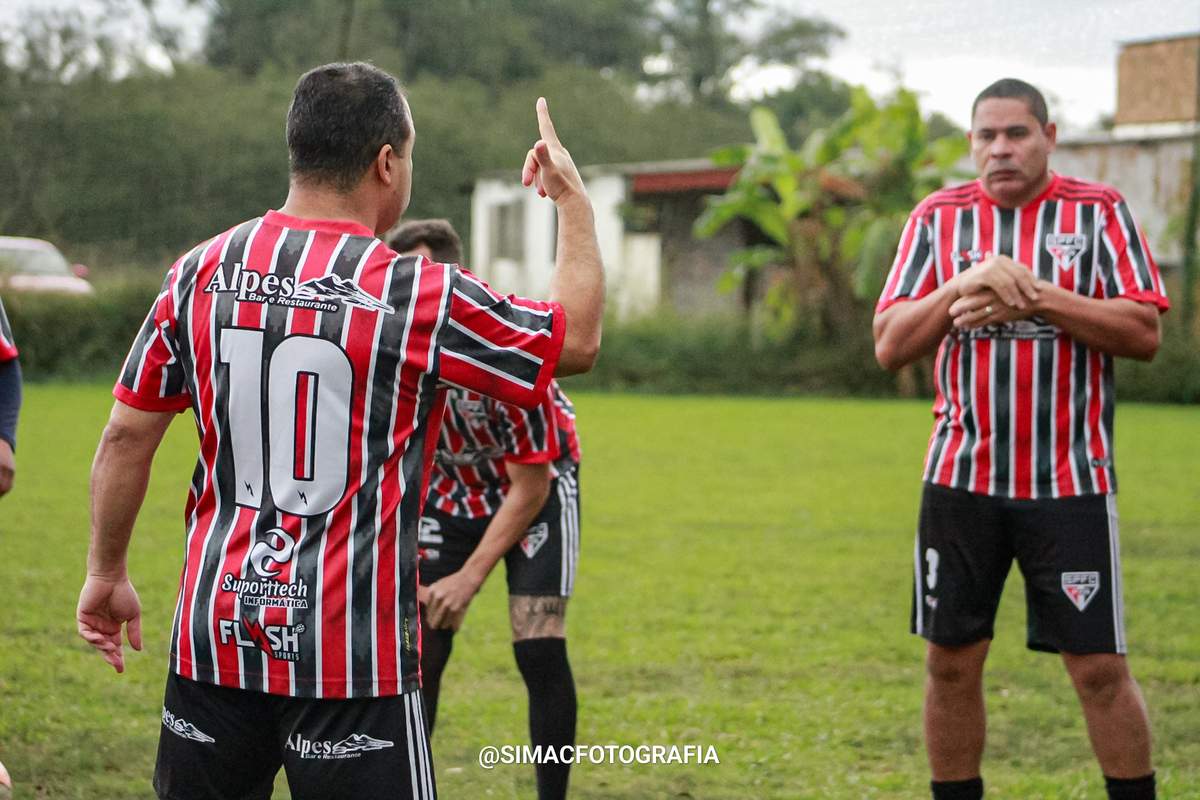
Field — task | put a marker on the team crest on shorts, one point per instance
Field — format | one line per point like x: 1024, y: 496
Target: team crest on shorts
x: 534, y: 539
x: 1066, y: 249
x: 1080, y: 587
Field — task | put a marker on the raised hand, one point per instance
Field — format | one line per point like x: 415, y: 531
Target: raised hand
x: 548, y: 165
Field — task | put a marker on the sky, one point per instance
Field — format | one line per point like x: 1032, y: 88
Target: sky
x: 947, y: 50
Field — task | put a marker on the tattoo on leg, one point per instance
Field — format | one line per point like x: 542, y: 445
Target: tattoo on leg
x: 537, y: 617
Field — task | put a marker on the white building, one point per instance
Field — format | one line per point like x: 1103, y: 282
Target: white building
x: 644, y: 216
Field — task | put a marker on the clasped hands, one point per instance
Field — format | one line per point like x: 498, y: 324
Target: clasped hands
x: 994, y: 291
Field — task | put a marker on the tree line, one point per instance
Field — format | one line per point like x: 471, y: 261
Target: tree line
x: 125, y: 145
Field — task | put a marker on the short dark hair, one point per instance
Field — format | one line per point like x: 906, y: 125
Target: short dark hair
x: 436, y: 234
x: 341, y: 115
x: 1017, y: 89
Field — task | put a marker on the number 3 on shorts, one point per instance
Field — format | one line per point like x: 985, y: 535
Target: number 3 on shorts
x: 931, y: 561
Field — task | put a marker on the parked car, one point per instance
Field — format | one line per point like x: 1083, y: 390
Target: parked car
x: 34, y: 265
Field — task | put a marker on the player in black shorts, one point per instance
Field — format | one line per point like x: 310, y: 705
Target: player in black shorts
x: 505, y: 484
x: 1027, y: 284
x: 313, y: 359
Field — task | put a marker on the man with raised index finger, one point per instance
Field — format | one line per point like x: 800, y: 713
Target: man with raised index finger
x: 1027, y: 284
x: 314, y: 360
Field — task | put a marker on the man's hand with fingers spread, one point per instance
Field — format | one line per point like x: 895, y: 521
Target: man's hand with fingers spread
x: 548, y: 165
x: 105, y: 604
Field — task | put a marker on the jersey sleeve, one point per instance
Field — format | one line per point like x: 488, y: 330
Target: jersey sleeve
x: 8, y: 347
x: 152, y: 378
x: 1127, y: 269
x: 505, y: 347
x: 912, y: 275
x: 529, y: 435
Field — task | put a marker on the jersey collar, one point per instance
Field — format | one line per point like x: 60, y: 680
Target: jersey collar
x: 273, y: 217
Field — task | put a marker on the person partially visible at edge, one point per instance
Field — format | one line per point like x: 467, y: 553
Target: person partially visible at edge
x: 10, y: 403
x: 1028, y: 284
x: 314, y: 359
x: 505, y: 486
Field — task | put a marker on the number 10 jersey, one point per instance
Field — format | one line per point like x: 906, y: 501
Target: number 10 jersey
x: 315, y: 360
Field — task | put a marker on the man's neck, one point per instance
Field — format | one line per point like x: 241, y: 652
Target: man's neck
x: 310, y: 202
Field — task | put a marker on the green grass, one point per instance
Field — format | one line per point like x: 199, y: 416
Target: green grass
x: 744, y: 583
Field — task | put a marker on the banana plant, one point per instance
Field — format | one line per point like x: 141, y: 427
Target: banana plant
x: 830, y: 211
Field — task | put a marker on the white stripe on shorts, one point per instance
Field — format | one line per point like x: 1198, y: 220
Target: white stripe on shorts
x: 1118, y: 598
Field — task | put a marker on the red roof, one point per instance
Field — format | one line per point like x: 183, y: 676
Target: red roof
x: 714, y: 179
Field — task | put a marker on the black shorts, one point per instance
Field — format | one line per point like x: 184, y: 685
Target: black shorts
x: 219, y: 743
x: 1068, y: 552
x: 542, y: 563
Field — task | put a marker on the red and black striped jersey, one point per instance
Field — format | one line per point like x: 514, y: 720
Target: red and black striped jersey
x: 1022, y: 409
x: 315, y: 361
x: 8, y: 348
x: 480, y: 436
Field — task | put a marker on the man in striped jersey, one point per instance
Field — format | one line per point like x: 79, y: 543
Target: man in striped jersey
x: 1027, y: 284
x: 314, y: 360
x: 10, y: 403
x: 505, y: 485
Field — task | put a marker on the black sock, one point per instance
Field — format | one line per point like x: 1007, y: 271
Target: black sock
x: 436, y: 644
x: 970, y: 789
x: 547, y: 673
x: 1130, y: 788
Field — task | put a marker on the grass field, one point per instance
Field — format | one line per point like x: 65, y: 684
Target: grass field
x: 744, y: 583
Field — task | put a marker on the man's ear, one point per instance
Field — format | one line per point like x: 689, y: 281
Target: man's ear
x: 1052, y: 134
x: 383, y: 164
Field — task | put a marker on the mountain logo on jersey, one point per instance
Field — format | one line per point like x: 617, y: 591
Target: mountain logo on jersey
x: 333, y: 289
x: 472, y: 410
x: 277, y: 641
x: 1080, y: 587
x: 1066, y: 249
x: 352, y: 746
x: 319, y: 294
x: 181, y: 727
x: 535, y: 537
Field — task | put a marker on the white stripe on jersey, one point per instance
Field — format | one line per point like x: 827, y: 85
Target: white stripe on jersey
x: 492, y: 370
x: 470, y: 334
x: 508, y: 323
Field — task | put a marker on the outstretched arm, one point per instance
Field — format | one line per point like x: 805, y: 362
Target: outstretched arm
x: 120, y: 474
x: 578, y: 281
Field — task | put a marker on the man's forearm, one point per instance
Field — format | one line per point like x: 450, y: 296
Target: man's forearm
x: 120, y: 475
x: 119, y: 481
x: 578, y: 284
x: 912, y: 329
x: 518, y: 511
x: 1118, y: 326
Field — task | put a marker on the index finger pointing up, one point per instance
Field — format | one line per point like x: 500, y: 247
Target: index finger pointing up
x: 545, y: 126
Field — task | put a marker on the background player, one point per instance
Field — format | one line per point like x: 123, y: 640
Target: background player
x: 10, y: 403
x: 313, y: 358
x: 1027, y: 283
x: 505, y: 484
